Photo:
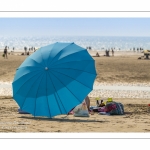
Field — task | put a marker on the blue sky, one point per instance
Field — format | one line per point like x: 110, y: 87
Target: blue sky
x: 75, y: 26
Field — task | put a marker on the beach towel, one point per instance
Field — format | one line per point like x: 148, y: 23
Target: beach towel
x: 104, y: 113
x: 109, y: 100
x: 114, y: 108
x: 81, y: 110
x: 97, y: 109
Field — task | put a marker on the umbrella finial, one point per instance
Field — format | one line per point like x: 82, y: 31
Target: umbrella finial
x: 46, y: 68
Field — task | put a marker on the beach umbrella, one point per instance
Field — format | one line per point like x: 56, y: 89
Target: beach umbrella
x: 54, y: 79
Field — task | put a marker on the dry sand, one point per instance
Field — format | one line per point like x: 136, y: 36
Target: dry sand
x: 123, y: 68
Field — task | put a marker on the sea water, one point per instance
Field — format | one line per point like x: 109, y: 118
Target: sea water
x: 95, y: 42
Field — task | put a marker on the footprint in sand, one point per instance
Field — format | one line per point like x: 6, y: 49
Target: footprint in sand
x: 130, y: 126
x: 146, y: 129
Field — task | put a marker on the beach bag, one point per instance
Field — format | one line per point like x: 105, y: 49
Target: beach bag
x: 81, y: 110
x: 114, y: 108
x: 3, y: 55
x: 109, y: 100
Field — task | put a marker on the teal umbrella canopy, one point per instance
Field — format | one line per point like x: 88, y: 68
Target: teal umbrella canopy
x: 54, y: 79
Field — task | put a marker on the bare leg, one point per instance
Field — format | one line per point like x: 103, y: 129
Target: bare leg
x: 87, y: 100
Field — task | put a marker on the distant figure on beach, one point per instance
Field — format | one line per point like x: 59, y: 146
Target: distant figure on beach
x: 25, y: 49
x: 108, y: 53
x: 112, y: 52
x: 13, y: 48
x: 5, y: 52
x: 90, y: 48
x: 97, y: 54
x: 28, y: 53
x: 140, y: 49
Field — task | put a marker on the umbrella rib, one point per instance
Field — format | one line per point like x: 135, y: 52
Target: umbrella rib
x: 42, y: 58
x: 58, y: 96
x: 47, y: 99
x: 50, y: 52
x: 67, y: 88
x: 59, y: 52
x: 71, y: 62
x: 27, y: 94
x: 29, y: 67
x: 70, y: 54
x: 25, y: 82
x: 37, y: 62
x: 76, y: 69
x: 36, y: 96
x: 71, y: 78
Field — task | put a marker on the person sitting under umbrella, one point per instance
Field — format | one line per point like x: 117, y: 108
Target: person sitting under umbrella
x: 87, y: 100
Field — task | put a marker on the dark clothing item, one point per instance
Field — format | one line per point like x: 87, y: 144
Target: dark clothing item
x: 5, y: 51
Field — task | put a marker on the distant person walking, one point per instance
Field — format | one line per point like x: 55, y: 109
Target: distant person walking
x: 108, y: 53
x: 140, y: 49
x: 25, y: 49
x: 112, y: 52
x: 5, y: 52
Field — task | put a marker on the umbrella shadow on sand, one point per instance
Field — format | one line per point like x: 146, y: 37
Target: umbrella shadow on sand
x: 62, y: 119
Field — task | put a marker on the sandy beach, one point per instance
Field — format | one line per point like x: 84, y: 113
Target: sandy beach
x: 124, y: 70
